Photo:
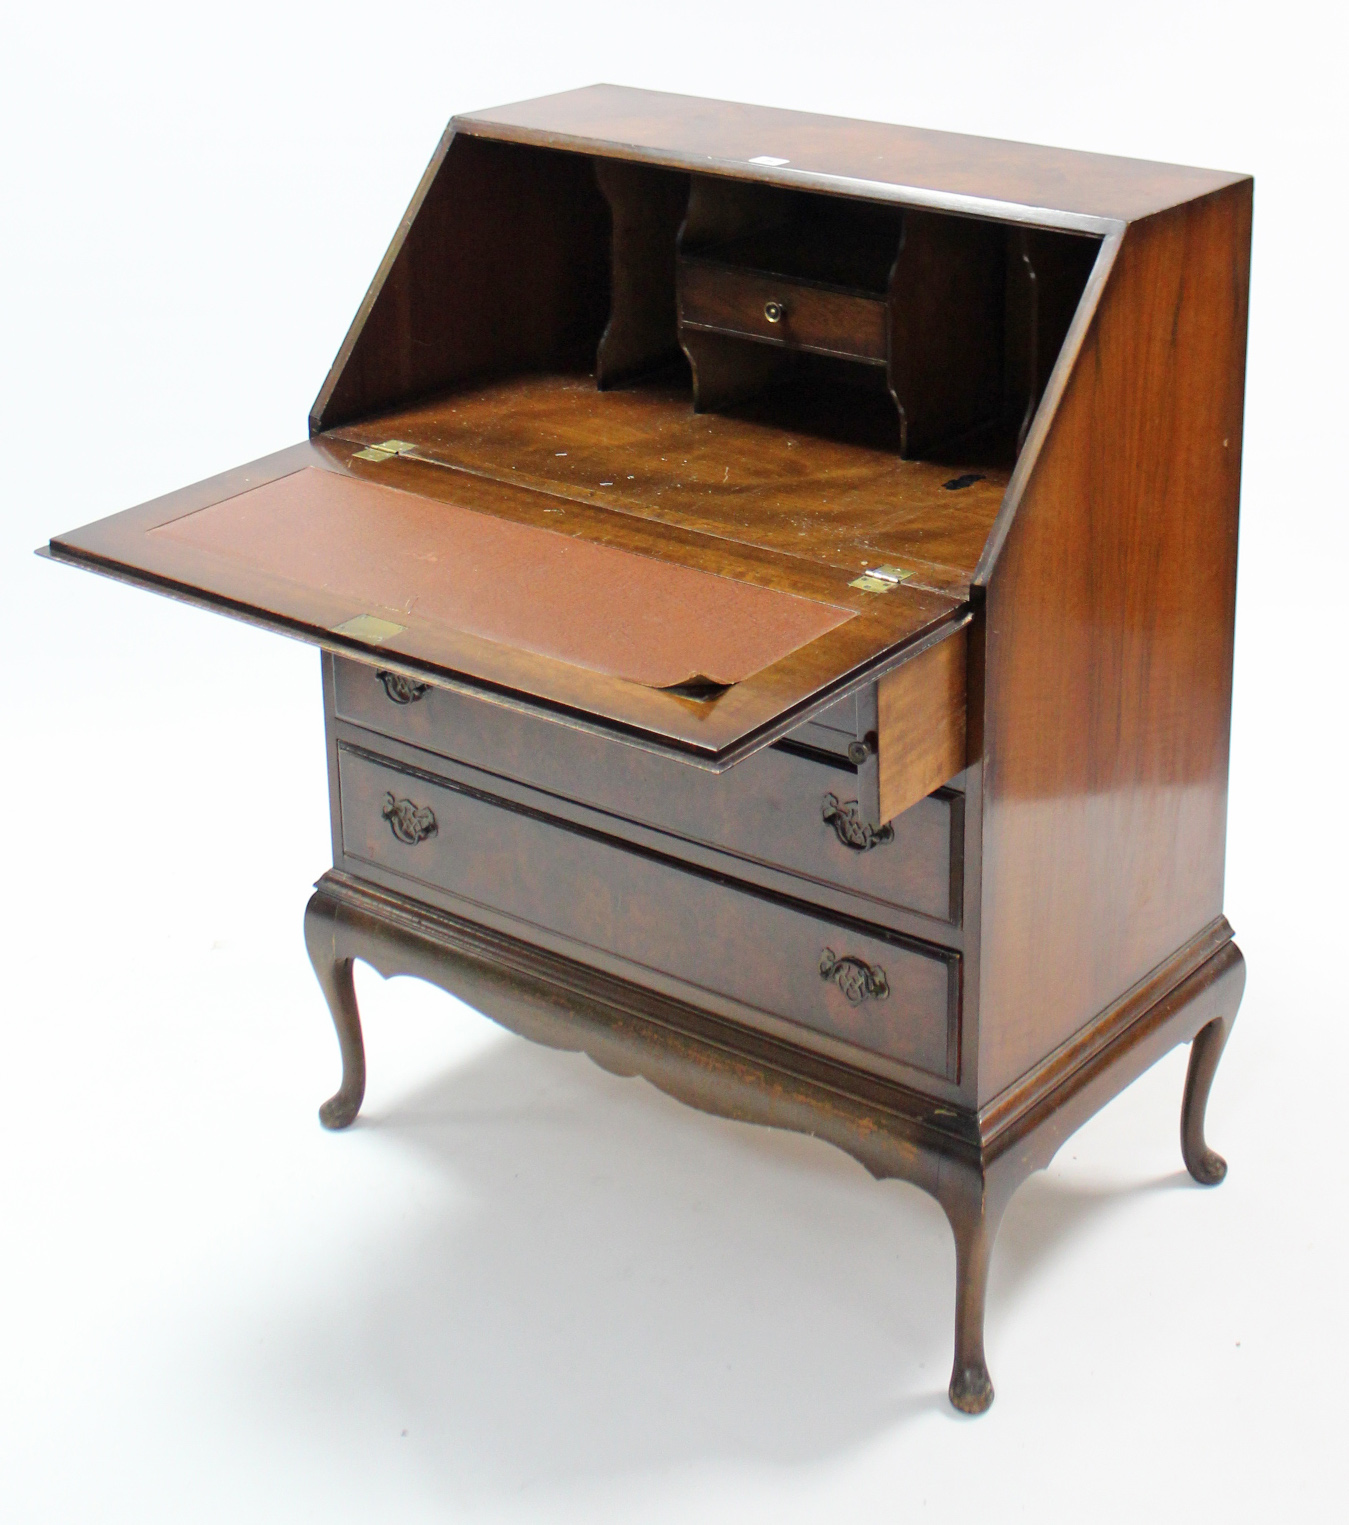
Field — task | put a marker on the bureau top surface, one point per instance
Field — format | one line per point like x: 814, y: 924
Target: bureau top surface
x: 912, y: 164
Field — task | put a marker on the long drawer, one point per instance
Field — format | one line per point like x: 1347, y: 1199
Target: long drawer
x: 787, y: 810
x: 855, y: 985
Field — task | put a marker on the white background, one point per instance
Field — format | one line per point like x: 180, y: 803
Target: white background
x: 521, y: 1289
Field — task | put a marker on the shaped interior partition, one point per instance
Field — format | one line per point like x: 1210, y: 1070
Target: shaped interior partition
x: 926, y: 334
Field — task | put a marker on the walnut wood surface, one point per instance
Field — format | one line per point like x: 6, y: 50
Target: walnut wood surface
x: 1107, y: 690
x: 1047, y: 274
x: 922, y: 725
x: 582, y: 886
x: 947, y: 295
x: 1204, y: 1164
x: 1002, y: 1117
x: 728, y: 372
x: 733, y: 1071
x: 501, y: 262
x: 334, y: 974
x: 733, y: 301
x: 646, y: 207
x: 743, y: 717
x: 414, y: 334
x: 762, y: 477
x: 768, y: 812
x: 1052, y: 186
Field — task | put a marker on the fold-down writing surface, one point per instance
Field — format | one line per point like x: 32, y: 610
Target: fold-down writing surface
x: 714, y: 731
x: 595, y: 606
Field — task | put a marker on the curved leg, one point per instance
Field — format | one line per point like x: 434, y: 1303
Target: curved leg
x: 974, y: 1217
x: 334, y: 977
x: 1203, y: 1164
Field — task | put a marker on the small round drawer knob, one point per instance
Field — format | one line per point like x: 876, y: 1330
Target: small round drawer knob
x: 774, y: 311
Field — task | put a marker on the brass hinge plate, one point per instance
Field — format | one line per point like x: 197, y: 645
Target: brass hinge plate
x: 880, y: 579
x: 385, y: 451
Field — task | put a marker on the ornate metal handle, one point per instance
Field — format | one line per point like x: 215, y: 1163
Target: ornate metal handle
x: 857, y: 979
x: 850, y: 828
x: 409, y: 823
x: 400, y: 689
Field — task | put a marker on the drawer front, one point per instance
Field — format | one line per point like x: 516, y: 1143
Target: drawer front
x: 785, y: 810
x: 888, y: 996
x: 742, y: 302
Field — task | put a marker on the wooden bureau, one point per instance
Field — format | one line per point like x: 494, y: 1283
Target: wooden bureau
x: 775, y: 578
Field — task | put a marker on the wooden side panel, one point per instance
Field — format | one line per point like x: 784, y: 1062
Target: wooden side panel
x: 1046, y: 275
x: 947, y: 295
x: 1108, y: 629
x: 646, y: 205
x: 921, y: 734
x: 727, y: 370
x: 501, y: 264
x: 1062, y: 263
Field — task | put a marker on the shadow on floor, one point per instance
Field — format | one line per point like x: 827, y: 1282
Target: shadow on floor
x: 604, y: 1282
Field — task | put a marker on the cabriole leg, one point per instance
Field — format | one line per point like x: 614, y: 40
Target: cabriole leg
x: 334, y: 977
x: 1203, y: 1164
x: 974, y: 1219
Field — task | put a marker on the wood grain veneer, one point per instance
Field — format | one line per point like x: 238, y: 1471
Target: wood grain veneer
x: 736, y: 301
x: 1110, y: 612
x: 922, y: 725
x: 640, y: 910
x: 1022, y: 181
x: 786, y: 810
x: 820, y: 489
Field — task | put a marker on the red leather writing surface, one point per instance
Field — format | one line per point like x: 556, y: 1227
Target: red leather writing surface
x: 595, y: 606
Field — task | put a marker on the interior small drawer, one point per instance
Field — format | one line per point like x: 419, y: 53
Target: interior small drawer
x: 782, y: 310
x: 793, y: 811
x: 891, y: 996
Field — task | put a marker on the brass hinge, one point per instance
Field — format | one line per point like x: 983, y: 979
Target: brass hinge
x: 880, y: 579
x: 385, y: 451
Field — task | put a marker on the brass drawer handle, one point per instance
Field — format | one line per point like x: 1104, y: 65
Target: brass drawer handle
x: 775, y: 311
x: 850, y: 828
x: 857, y: 979
x: 400, y: 689
x: 409, y: 823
